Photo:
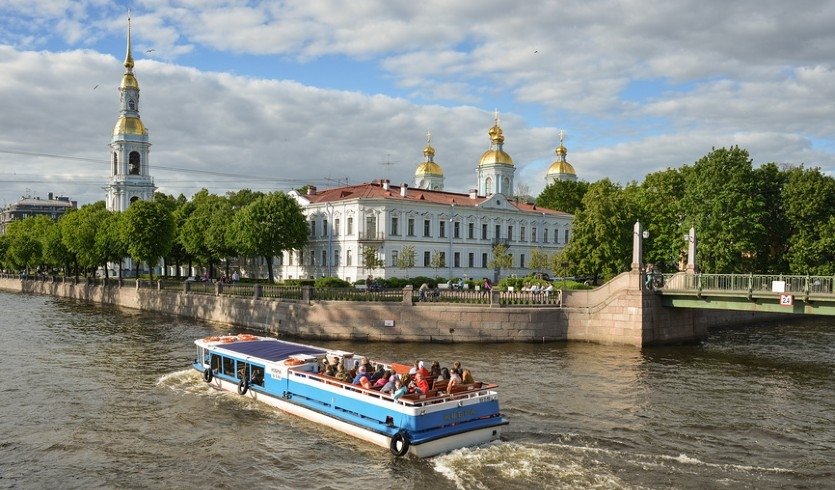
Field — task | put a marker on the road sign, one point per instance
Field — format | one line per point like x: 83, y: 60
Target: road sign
x: 786, y: 300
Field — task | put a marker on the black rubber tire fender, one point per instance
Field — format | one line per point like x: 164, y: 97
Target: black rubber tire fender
x: 207, y: 375
x: 401, y: 439
x: 243, y: 386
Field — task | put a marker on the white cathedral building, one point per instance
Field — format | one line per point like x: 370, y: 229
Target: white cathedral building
x: 451, y: 234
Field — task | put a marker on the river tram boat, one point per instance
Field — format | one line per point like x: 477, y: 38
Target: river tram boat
x: 289, y: 376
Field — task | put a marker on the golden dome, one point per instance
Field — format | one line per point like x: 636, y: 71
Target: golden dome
x: 429, y: 151
x: 129, y: 81
x: 496, y: 154
x: 429, y: 168
x: 129, y: 125
x: 495, y: 157
x: 561, y: 167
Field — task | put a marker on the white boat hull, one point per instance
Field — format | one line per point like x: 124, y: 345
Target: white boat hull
x: 424, y: 450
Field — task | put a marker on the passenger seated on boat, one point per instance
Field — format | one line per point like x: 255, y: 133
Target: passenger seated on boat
x: 435, y: 369
x: 383, y: 379
x: 342, y: 374
x: 444, y: 376
x: 454, y: 380
x: 365, y: 383
x: 353, y: 372
x: 467, y: 377
x: 367, y: 365
x: 329, y: 369
x: 420, y: 384
x: 360, y: 374
x: 391, y: 385
x: 380, y: 373
x: 456, y: 368
x: 421, y: 368
x: 400, y: 389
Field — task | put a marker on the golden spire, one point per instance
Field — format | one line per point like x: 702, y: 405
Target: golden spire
x: 495, y: 133
x: 128, y: 55
x: 428, y: 151
x: 561, y: 150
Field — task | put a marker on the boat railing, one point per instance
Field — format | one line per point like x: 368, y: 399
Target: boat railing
x: 412, y: 399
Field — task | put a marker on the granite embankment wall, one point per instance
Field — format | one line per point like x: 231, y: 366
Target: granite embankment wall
x: 617, y: 313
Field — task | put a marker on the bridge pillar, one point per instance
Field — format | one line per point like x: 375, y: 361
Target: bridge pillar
x: 637, y: 247
x: 691, y: 251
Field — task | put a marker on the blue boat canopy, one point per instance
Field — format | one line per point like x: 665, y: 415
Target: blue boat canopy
x: 271, y: 350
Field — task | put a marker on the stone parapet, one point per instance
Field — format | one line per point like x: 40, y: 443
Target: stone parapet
x: 617, y: 313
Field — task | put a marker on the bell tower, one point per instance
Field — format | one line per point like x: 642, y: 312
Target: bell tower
x: 130, y: 178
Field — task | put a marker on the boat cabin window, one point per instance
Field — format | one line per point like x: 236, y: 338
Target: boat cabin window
x: 216, y: 363
x: 257, y: 377
x: 228, y: 366
x: 243, y: 370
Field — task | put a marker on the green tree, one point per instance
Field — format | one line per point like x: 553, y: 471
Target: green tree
x: 722, y: 203
x: 270, y: 225
x: 809, y: 200
x: 242, y: 198
x: 24, y: 249
x: 110, y: 241
x: 371, y: 258
x: 437, y: 261
x: 601, y: 242
x: 563, y: 195
x: 199, y: 232
x: 501, y: 258
x: 772, y: 244
x: 78, y: 231
x: 406, y: 258
x: 55, y: 252
x: 657, y: 205
x: 540, y: 261
x: 148, y: 228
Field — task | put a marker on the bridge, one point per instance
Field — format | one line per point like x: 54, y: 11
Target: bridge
x: 809, y: 295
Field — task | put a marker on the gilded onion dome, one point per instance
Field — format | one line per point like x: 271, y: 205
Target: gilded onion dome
x: 561, y: 169
x: 428, y: 166
x: 496, y: 155
x: 129, y: 125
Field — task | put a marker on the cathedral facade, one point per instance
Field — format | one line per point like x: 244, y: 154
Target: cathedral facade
x: 446, y: 233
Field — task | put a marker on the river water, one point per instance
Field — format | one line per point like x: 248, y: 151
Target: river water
x: 95, y: 396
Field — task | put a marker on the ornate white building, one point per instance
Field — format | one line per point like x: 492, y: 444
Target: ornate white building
x: 130, y: 178
x: 452, y: 234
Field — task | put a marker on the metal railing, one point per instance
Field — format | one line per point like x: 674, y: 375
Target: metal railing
x: 353, y: 294
x: 749, y: 283
x: 466, y: 296
x: 551, y: 298
x: 281, y: 292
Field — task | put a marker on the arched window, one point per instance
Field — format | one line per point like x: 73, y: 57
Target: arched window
x: 132, y: 105
x: 488, y: 186
x: 133, y: 160
x: 134, y: 199
x: 506, y: 186
x: 115, y: 163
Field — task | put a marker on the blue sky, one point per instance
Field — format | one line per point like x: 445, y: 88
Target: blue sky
x: 270, y: 95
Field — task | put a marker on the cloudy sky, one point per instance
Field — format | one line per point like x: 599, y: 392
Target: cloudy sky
x: 275, y: 94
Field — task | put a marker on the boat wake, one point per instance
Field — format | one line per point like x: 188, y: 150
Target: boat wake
x: 521, y: 465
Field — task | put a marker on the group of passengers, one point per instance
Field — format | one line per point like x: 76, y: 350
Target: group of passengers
x: 419, y: 379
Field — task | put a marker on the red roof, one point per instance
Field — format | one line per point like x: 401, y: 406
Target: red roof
x: 375, y: 190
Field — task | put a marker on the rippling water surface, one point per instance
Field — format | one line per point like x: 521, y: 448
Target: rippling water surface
x: 100, y: 397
